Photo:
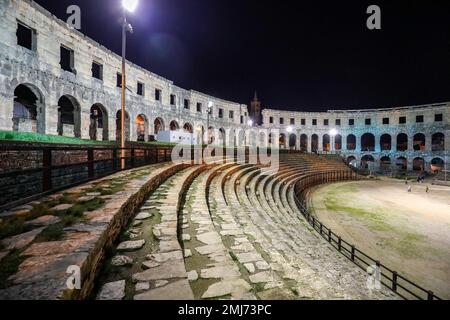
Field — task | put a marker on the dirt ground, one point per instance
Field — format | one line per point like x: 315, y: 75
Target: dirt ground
x: 408, y: 232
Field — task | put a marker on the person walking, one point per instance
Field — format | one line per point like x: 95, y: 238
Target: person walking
x: 409, y: 189
x: 427, y: 189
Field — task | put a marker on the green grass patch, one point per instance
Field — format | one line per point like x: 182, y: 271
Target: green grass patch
x: 295, y: 292
x: 51, y: 233
x: 9, y: 266
x: 13, y: 226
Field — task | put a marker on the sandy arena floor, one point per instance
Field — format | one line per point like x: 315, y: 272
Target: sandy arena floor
x: 408, y: 232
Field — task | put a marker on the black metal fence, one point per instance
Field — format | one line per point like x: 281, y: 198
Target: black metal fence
x: 28, y: 172
x: 399, y: 284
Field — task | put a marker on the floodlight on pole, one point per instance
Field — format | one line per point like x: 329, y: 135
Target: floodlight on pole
x: 250, y: 123
x: 130, y: 6
x: 333, y: 132
x: 289, y: 129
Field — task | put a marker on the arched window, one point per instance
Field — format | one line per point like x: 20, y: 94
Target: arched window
x: 368, y: 142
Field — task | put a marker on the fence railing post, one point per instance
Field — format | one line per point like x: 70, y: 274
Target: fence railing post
x: 430, y: 295
x: 339, y: 243
x: 133, y: 152
x: 114, y: 160
x: 329, y: 235
x: 353, y: 253
x: 47, y: 169
x: 394, y: 281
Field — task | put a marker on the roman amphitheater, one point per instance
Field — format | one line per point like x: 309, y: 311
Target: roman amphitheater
x: 354, y: 204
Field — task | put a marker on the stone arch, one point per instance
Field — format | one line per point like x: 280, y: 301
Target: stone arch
x: 211, y: 135
x: 351, y: 142
x: 385, y: 142
x: 263, y: 139
x: 69, y: 117
x: 402, y: 142
x: 418, y: 164
x: 419, y: 142
x: 282, y: 140
x: 367, y: 142
x: 365, y: 160
x: 98, y: 127
x: 326, y: 142
x: 385, y: 163
x: 437, y: 164
x: 338, y: 142
x: 304, y: 143
x: 29, y: 109
x: 119, y: 126
x: 350, y: 159
x: 222, y: 136
x: 188, y: 128
x: 174, y: 126
x: 438, y: 142
x: 158, y: 125
x: 314, y: 143
x: 141, y: 128
x: 292, y: 140
x: 402, y: 163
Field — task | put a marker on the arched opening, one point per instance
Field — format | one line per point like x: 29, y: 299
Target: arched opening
x: 326, y: 143
x: 69, y: 116
x: 385, y: 163
x: 174, y: 126
x: 211, y: 135
x: 142, y: 128
x: 282, y: 140
x: 119, y: 126
x: 270, y: 139
x: 351, y: 142
x: 241, y: 139
x: 188, y: 128
x: 292, y: 141
x: 367, y: 142
x: 304, y: 143
x: 98, y: 127
x: 222, y: 135
x: 351, y: 159
x: 28, y: 112
x: 438, y: 142
x: 262, y: 140
x: 338, y: 142
x: 158, y: 125
x: 366, y: 161
x: 402, y: 163
x: 437, y: 165
x: 419, y: 142
x: 418, y: 164
x: 402, y: 142
x: 385, y: 142
x: 314, y: 143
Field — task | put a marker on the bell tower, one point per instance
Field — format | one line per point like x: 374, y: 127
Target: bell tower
x: 255, y: 110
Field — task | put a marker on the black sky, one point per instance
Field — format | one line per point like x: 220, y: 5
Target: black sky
x: 298, y: 55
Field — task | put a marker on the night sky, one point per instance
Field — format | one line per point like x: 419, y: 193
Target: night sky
x: 298, y: 55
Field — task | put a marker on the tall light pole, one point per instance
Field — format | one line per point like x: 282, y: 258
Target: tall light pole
x: 130, y: 6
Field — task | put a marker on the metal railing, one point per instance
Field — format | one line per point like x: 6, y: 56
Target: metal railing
x: 399, y: 284
x: 95, y: 166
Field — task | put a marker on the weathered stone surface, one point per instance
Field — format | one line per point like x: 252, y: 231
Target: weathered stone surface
x: 260, y: 277
x: 166, y: 271
x: 169, y: 245
x: 209, y: 249
x: 121, y: 260
x: 142, y: 286
x: 192, y: 275
x: 44, y: 221
x: 93, y: 194
x: 186, y: 237
x: 150, y: 264
x: 226, y: 287
x: 220, y: 272
x: 248, y: 257
x: 112, y: 291
x: 262, y: 265
x: 131, y: 245
x: 136, y: 223
x: 187, y: 253
x: 209, y: 238
x: 250, y: 267
x: 178, y: 290
x: 161, y: 283
x: 143, y: 216
x: 165, y: 256
x: 62, y: 207
x: 21, y: 240
x: 86, y: 198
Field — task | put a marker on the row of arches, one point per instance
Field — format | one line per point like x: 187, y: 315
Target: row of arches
x: 29, y: 115
x: 368, y: 143
x: 400, y: 163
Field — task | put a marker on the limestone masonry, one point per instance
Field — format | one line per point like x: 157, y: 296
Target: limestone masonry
x: 55, y: 80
